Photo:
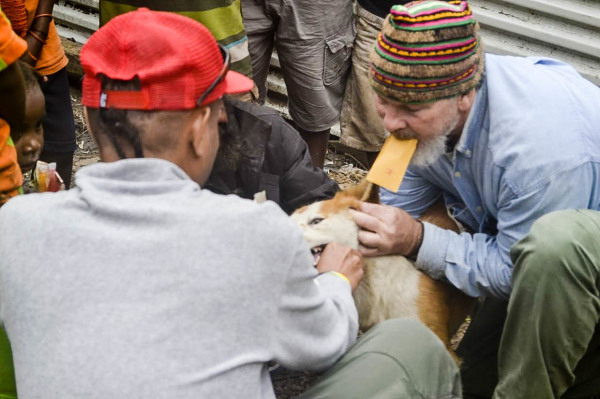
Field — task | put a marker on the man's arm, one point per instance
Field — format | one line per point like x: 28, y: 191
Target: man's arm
x: 479, y: 264
x: 300, y: 182
x: 318, y: 321
x: 392, y: 229
x: 38, y: 31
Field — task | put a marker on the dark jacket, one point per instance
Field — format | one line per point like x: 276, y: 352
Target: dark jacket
x: 381, y: 8
x: 260, y: 151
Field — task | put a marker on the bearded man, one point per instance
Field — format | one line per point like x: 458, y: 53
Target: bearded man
x: 505, y: 142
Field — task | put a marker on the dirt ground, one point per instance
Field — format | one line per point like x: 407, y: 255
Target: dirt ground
x: 340, y: 165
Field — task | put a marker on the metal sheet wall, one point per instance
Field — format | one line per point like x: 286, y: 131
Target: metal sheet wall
x: 568, y: 30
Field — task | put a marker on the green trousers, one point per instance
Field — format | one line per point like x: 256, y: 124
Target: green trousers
x: 7, y: 373
x: 398, y: 358
x: 549, y: 346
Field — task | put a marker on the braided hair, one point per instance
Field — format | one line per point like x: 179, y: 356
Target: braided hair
x: 116, y: 124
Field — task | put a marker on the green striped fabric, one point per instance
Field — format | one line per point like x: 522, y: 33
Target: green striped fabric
x: 222, y: 17
x: 8, y: 389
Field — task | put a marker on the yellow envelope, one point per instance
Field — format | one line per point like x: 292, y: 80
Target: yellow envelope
x: 390, y: 166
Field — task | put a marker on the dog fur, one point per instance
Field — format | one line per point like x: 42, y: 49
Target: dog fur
x: 391, y: 287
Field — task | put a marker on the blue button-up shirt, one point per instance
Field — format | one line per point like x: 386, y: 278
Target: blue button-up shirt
x: 531, y: 145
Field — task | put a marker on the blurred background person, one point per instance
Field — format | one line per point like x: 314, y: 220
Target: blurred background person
x: 313, y: 40
x: 32, y: 20
x: 361, y: 127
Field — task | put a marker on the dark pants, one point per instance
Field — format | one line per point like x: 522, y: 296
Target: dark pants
x: 59, y: 125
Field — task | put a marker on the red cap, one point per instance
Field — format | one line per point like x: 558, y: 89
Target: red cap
x: 175, y: 58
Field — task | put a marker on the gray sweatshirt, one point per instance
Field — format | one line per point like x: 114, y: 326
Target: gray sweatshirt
x: 138, y: 284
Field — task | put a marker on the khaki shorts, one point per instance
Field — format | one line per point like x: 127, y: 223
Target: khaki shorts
x: 314, y: 42
x: 361, y: 126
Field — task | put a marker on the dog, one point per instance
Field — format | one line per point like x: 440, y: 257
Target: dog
x: 392, y: 286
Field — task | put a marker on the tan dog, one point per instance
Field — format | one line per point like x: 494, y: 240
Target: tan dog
x: 392, y: 287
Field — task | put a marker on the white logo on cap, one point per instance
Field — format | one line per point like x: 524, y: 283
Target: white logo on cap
x: 103, y: 100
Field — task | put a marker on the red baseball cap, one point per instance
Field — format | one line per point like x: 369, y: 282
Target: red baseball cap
x: 176, y: 59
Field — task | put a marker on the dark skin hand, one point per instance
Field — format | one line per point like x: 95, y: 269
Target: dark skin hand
x: 344, y: 260
x: 39, y: 27
x: 12, y: 100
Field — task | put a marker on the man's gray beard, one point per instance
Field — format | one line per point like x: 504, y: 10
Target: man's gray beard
x: 428, y: 153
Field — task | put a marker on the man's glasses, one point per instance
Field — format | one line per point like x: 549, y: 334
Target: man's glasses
x: 219, y: 78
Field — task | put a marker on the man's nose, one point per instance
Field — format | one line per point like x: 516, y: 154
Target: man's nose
x: 393, y: 121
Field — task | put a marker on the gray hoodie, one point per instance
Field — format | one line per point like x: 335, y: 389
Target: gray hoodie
x: 160, y: 289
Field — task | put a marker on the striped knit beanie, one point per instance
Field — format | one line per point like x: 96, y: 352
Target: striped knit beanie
x: 427, y: 51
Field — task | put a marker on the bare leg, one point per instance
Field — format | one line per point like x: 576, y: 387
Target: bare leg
x: 317, y: 145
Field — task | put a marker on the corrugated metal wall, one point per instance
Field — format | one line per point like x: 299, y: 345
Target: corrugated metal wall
x: 568, y: 30
x: 76, y: 19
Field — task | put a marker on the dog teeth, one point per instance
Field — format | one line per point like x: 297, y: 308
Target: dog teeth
x: 316, y: 252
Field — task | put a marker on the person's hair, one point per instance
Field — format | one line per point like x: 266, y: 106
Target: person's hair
x: 32, y: 78
x: 134, y: 128
x: 119, y: 126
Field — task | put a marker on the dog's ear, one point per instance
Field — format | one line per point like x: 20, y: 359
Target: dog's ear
x: 371, y: 193
x: 365, y: 191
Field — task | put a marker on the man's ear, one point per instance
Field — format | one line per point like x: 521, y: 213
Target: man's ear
x: 198, y: 128
x: 465, y: 101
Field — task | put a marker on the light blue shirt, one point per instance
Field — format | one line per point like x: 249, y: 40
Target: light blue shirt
x: 531, y: 145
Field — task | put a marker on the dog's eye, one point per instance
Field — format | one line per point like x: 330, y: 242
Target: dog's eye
x: 315, y: 221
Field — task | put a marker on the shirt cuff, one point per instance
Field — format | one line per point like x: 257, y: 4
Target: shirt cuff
x: 334, y: 279
x: 432, y: 255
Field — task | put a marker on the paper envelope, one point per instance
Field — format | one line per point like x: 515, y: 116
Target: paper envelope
x: 390, y: 166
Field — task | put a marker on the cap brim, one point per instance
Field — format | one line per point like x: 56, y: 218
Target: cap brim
x: 235, y: 82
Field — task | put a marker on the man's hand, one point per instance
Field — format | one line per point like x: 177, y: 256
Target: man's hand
x: 387, y: 230
x: 344, y: 260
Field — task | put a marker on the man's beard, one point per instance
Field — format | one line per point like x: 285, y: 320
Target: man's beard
x: 430, y: 151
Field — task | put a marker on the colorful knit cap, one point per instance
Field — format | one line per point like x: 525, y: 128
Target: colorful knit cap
x: 426, y: 51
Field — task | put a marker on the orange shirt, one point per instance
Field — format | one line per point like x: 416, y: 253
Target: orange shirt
x: 52, y: 58
x: 11, y: 179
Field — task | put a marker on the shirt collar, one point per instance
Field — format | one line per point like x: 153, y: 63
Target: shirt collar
x: 474, y: 123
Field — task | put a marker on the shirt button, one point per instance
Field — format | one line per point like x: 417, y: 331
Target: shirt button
x: 468, y: 152
x: 478, y: 209
x: 456, y: 174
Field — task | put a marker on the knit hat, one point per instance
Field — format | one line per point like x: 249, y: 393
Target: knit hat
x: 176, y: 59
x: 427, y: 51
